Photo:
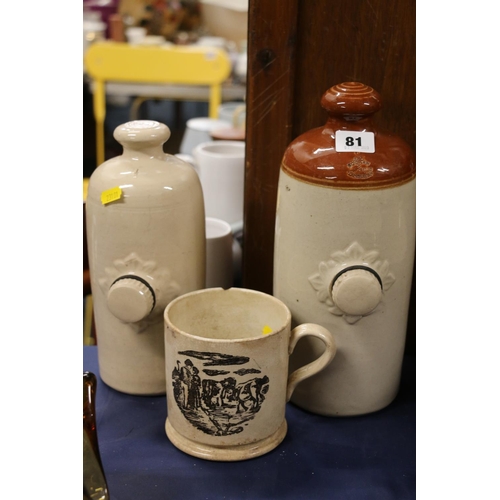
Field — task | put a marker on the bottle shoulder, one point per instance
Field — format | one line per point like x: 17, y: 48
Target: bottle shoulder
x: 152, y: 180
x: 313, y: 157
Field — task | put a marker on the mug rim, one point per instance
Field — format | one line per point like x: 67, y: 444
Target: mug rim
x: 238, y: 147
x: 205, y: 123
x: 225, y: 227
x: 187, y: 295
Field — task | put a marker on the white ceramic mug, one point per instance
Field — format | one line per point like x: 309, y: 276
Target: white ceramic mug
x: 227, y: 375
x: 221, y: 167
x: 219, y: 251
x: 198, y: 131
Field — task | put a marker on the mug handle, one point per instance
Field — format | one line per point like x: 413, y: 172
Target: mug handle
x: 318, y: 364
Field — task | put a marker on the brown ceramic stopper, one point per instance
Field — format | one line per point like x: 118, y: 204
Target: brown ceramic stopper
x: 313, y: 156
x: 352, y: 101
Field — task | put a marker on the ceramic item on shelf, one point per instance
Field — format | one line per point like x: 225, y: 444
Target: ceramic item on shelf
x: 116, y: 28
x: 344, y: 250
x: 227, y: 371
x: 198, y: 130
x: 221, y: 167
x: 236, y: 115
x: 94, y: 479
x: 146, y: 245
x: 220, y: 268
x: 212, y: 41
x: 135, y: 34
x: 233, y: 112
x: 228, y: 134
x: 94, y: 29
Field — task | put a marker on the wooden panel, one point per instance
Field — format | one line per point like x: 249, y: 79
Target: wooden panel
x: 270, y: 77
x: 357, y: 40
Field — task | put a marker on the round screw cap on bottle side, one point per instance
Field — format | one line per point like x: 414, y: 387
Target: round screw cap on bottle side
x: 130, y: 300
x: 357, y: 292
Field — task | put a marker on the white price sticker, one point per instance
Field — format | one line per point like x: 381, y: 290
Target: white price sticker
x: 346, y: 140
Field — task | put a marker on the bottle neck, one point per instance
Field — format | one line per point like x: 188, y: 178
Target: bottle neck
x: 143, y: 150
x: 144, y: 138
x: 350, y: 122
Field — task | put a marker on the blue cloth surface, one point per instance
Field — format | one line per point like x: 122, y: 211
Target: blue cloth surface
x: 368, y: 457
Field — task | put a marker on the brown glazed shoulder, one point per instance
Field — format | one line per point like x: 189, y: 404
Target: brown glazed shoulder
x: 312, y: 158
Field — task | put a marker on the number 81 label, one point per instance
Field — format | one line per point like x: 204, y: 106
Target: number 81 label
x: 354, y: 141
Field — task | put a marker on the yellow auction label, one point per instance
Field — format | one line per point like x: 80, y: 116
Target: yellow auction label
x: 266, y: 330
x: 110, y: 195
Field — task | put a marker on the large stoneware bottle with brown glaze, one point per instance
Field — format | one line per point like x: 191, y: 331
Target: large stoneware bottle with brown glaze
x: 146, y: 243
x: 344, y: 251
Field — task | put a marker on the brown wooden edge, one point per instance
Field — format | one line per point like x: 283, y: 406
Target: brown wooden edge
x: 270, y: 87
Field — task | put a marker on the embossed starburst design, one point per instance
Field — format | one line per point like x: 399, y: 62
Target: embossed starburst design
x: 353, y: 255
x: 160, y: 280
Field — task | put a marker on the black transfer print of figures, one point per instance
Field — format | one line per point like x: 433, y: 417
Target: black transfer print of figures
x: 216, y: 404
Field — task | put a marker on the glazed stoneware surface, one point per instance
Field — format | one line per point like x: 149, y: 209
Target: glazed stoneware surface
x: 344, y: 253
x: 226, y: 367
x: 220, y: 267
x: 198, y: 130
x: 313, y: 156
x: 221, y: 167
x: 146, y: 242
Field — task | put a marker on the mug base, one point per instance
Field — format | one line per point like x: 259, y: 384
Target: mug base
x: 226, y: 453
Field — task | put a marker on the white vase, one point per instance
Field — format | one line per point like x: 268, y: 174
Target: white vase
x: 344, y: 251
x: 221, y: 167
x: 146, y: 243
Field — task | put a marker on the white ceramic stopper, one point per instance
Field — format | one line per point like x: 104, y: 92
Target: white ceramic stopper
x: 357, y: 292
x: 130, y: 300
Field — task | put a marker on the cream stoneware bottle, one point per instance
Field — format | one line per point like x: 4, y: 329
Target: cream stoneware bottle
x: 146, y: 245
x: 344, y: 251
